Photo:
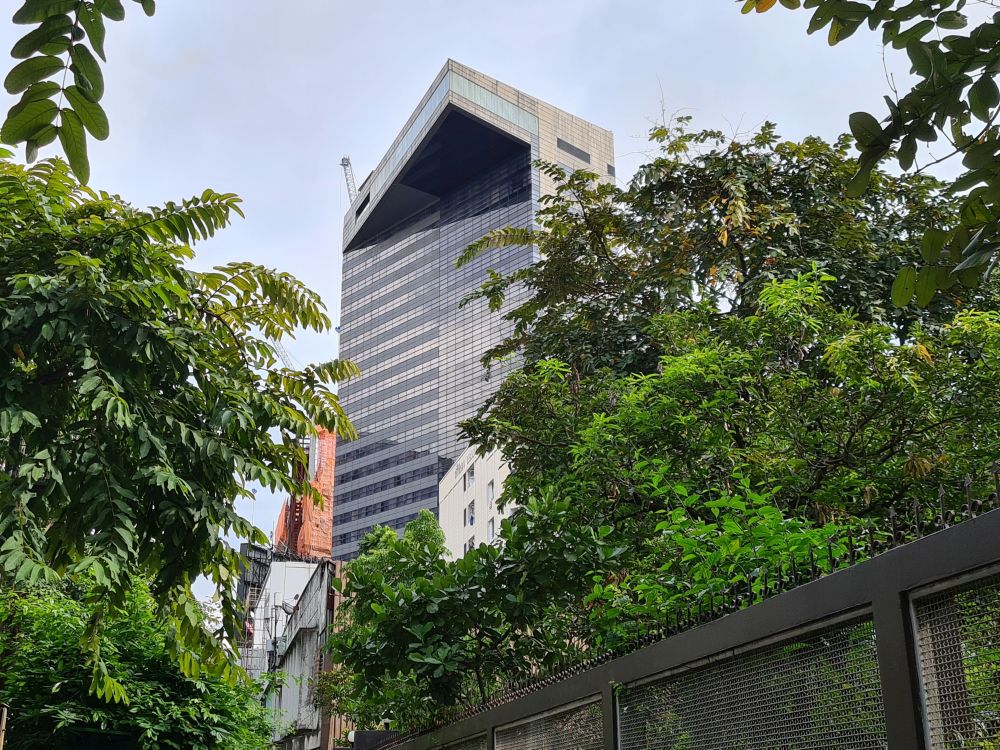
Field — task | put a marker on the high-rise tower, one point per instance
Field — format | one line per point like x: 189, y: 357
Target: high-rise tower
x: 461, y: 167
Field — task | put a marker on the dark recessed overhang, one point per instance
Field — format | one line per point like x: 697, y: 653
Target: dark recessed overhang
x: 458, y: 148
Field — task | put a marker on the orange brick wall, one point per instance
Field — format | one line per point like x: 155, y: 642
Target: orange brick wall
x: 315, y: 537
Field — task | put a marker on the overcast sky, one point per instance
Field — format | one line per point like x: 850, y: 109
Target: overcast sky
x: 264, y: 97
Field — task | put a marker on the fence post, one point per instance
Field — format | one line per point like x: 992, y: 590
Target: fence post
x: 898, y: 670
x: 3, y: 723
x: 610, y: 715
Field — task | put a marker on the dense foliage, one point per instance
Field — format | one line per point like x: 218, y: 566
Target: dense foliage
x: 758, y: 442
x: 44, y: 678
x: 712, y: 389
x: 712, y: 219
x: 139, y: 399
x: 831, y: 412
x: 955, y: 99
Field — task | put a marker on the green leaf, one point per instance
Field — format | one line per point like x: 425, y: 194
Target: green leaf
x: 976, y: 260
x: 836, y: 31
x: 27, y: 120
x: 904, y: 286
x: 926, y: 285
x: 983, y: 97
x: 907, y: 152
x: 87, y: 65
x: 149, y: 7
x: 841, y: 29
x: 975, y: 212
x: 969, y: 277
x: 932, y: 243
x: 31, y: 71
x: 93, y: 23
x: 920, y: 58
x: 792, y: 4
x: 57, y: 27
x: 74, y: 143
x: 43, y: 90
x: 36, y: 11
x: 865, y: 128
x: 917, y: 31
x: 113, y: 9
x: 43, y: 137
x: 91, y: 114
x: 952, y: 19
x: 852, y: 11
x: 980, y: 156
x: 858, y: 184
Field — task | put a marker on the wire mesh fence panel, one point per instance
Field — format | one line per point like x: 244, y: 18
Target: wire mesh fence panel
x: 579, y: 728
x: 819, y: 691
x: 958, y: 642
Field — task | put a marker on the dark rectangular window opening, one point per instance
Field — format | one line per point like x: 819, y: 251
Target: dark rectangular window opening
x: 611, y: 170
x: 363, y: 206
x: 576, y: 151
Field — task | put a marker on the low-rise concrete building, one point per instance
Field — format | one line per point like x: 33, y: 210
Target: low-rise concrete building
x: 269, y: 589
x: 299, y: 724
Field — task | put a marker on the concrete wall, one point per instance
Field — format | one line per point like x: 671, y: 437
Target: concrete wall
x: 285, y: 580
x: 457, y: 493
x: 299, y: 723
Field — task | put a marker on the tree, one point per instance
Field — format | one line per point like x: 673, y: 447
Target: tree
x: 369, y: 696
x: 831, y: 414
x: 711, y: 219
x: 955, y: 99
x: 759, y: 446
x: 51, y: 109
x: 711, y: 387
x: 44, y: 678
x: 139, y: 399
x: 420, y: 635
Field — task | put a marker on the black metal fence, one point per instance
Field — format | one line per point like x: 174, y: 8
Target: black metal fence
x: 899, y: 652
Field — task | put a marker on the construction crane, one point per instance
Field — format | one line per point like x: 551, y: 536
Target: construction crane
x: 352, y: 189
x: 282, y: 353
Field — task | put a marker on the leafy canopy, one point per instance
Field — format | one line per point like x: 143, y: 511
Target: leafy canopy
x: 760, y: 445
x: 711, y: 386
x: 44, y: 679
x: 139, y: 399
x: 711, y: 220
x: 955, y: 99
x: 832, y: 415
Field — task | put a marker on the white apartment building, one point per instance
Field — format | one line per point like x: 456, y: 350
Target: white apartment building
x: 467, y: 495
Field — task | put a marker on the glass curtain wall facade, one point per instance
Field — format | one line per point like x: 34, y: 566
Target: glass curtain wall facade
x: 461, y: 167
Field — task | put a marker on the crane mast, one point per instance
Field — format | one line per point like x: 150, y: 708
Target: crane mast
x: 352, y: 189
x: 282, y: 353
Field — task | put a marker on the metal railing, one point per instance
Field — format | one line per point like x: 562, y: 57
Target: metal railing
x: 897, y: 652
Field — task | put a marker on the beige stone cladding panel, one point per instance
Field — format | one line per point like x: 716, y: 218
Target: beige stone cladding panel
x: 554, y: 124
x: 527, y: 103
